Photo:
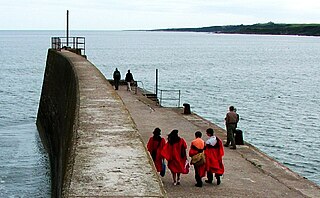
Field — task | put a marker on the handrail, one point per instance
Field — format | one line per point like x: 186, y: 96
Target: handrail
x: 169, y: 98
x: 76, y: 43
x: 143, y: 89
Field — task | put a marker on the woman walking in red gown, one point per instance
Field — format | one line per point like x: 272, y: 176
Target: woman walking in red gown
x: 154, y: 146
x: 214, y: 152
x: 174, y: 152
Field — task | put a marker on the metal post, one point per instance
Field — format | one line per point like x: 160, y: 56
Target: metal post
x: 67, y: 28
x: 156, y: 83
x: 179, y: 98
x: 160, y: 98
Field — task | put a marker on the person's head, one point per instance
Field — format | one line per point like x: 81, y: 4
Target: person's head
x: 198, y: 134
x: 210, y: 132
x: 231, y: 108
x: 116, y: 69
x: 128, y: 70
x: 157, y: 132
x: 173, y: 136
x: 235, y: 110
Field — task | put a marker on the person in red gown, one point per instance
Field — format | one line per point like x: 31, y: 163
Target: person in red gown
x: 197, y: 156
x: 154, y: 146
x: 214, y: 152
x: 174, y: 152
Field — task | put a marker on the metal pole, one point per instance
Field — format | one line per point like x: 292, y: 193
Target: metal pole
x: 156, y: 83
x: 67, y: 28
x: 179, y: 98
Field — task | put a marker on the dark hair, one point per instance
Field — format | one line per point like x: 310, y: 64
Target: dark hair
x: 198, y: 134
x: 157, y: 131
x: 210, y: 131
x: 173, y: 137
x: 231, y: 108
x: 156, y: 134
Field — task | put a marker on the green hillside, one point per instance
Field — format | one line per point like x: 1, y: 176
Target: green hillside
x: 259, y: 28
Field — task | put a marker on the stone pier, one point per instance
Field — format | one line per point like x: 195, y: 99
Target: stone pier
x: 94, y: 146
x: 96, y: 138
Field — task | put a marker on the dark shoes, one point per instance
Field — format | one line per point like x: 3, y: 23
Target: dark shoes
x: 210, y: 182
x: 232, y: 147
x: 198, y: 185
x: 218, y: 180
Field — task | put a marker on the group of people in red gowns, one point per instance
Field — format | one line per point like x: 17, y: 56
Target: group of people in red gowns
x: 206, y: 156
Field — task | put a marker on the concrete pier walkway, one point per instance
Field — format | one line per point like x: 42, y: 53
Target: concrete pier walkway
x: 110, y: 159
x: 248, y: 172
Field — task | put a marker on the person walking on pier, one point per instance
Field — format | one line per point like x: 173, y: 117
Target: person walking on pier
x: 154, y: 146
x: 214, y: 152
x: 231, y: 121
x: 174, y: 152
x: 116, y: 78
x: 198, y: 158
x: 129, y: 80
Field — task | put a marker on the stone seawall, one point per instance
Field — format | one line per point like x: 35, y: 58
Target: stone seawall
x: 57, y: 115
x: 94, y: 147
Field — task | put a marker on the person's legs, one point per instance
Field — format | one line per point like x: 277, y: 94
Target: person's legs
x: 228, y: 136
x: 116, y: 83
x: 197, y: 177
x: 178, y: 179
x: 174, y: 177
x: 232, y: 131
x: 218, y: 178
x: 128, y: 86
x: 210, y: 177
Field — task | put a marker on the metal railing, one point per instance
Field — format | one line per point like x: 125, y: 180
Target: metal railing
x: 76, y: 43
x: 142, y: 88
x: 169, y: 95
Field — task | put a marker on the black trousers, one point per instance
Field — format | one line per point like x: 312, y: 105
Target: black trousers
x: 210, y: 176
x: 197, y: 176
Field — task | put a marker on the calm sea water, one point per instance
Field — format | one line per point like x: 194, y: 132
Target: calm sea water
x: 272, y: 80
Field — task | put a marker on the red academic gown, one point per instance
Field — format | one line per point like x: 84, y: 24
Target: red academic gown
x: 202, y: 168
x: 172, y: 153
x: 156, y: 146
x: 214, y: 156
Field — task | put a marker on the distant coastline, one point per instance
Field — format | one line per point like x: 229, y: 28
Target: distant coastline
x: 259, y: 28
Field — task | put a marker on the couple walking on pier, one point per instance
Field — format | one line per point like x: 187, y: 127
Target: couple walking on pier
x: 206, y: 156
x: 117, y: 78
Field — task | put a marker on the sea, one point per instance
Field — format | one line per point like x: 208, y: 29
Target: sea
x: 272, y: 80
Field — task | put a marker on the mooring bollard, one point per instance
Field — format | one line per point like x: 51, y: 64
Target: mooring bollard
x: 238, y: 136
x: 186, y: 108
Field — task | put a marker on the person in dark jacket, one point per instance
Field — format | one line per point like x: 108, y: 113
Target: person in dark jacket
x: 116, y: 78
x: 129, y: 80
x: 231, y: 121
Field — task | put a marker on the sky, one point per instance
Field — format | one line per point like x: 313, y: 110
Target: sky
x: 151, y: 14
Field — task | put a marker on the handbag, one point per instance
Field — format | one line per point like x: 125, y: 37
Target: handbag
x: 163, y: 169
x: 198, y: 159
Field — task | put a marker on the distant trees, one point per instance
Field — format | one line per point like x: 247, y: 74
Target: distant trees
x: 259, y: 28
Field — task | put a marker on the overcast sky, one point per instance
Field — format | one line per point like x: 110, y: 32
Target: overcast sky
x: 151, y: 14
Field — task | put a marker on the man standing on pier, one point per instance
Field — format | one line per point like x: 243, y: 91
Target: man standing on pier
x: 116, y: 78
x: 231, y: 122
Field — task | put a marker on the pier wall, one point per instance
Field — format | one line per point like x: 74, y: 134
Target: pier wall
x: 57, y: 115
x: 93, y: 144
